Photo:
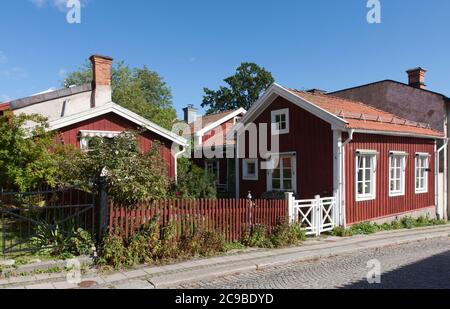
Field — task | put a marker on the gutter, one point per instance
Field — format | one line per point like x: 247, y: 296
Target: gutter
x: 342, y: 178
x: 436, y: 178
x: 177, y: 155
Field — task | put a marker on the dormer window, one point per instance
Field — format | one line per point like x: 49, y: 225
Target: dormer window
x: 280, y: 121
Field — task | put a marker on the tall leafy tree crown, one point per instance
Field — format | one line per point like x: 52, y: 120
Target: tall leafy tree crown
x: 137, y: 89
x: 244, y: 88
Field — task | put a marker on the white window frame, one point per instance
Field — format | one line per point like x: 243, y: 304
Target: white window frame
x: 86, y: 135
x: 245, y: 174
x: 217, y: 163
x: 374, y: 156
x: 419, y: 156
x: 280, y: 112
x: 402, y: 156
x: 293, y: 157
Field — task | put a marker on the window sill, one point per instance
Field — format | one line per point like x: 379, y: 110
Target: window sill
x: 250, y: 178
x: 421, y: 192
x: 396, y: 194
x: 365, y: 199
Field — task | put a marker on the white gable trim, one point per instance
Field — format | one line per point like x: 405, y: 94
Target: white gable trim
x: 275, y: 91
x: 221, y: 121
x: 121, y: 111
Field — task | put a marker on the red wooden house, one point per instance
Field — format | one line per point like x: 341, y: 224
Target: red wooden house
x: 210, y: 137
x: 82, y: 112
x: 377, y: 165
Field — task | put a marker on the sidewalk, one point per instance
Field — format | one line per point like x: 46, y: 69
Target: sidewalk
x: 170, y: 275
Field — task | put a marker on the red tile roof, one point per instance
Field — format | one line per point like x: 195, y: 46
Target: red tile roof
x: 364, y: 117
x: 4, y: 106
x: 204, y: 121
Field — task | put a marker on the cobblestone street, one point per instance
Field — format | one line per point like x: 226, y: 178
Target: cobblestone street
x: 417, y: 265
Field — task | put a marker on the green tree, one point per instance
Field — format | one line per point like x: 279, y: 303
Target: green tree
x: 29, y: 158
x: 194, y: 182
x: 244, y: 88
x: 130, y: 174
x: 138, y: 89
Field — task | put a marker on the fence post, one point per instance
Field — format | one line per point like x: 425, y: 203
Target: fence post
x: 290, y: 198
x: 318, y: 212
x: 103, y: 210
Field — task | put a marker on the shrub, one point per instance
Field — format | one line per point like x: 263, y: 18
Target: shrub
x: 341, y: 232
x: 273, y: 195
x: 203, y: 243
x: 114, y: 252
x: 257, y: 237
x: 408, y: 223
x: 287, y: 235
x: 364, y: 228
x: 194, y: 182
x: 169, y: 244
x: 63, y: 241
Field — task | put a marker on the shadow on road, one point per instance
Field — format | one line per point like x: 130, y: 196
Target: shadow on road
x: 431, y: 273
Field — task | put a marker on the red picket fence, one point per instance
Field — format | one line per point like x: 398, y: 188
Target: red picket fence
x: 233, y: 218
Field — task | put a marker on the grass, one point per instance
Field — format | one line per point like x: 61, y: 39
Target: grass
x: 367, y: 228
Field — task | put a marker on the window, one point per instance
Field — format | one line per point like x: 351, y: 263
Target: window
x: 250, y: 169
x: 282, y: 177
x: 213, y: 168
x: 280, y: 121
x: 422, y: 169
x: 397, y: 172
x: 86, y: 137
x: 365, y: 175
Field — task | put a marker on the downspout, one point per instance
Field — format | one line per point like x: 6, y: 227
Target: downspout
x: 437, y: 158
x: 342, y: 178
x: 178, y: 154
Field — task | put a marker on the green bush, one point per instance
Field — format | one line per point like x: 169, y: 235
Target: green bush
x: 203, y: 243
x: 341, y: 232
x: 114, y: 252
x: 194, y: 182
x: 257, y: 237
x: 365, y: 228
x: 287, y: 235
x: 408, y: 223
x: 62, y: 241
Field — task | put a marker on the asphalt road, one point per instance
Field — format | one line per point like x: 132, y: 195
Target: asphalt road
x: 418, y: 265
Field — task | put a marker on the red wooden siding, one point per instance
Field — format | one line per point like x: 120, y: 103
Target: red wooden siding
x: 312, y: 139
x: 112, y: 122
x: 231, y: 218
x: 383, y: 205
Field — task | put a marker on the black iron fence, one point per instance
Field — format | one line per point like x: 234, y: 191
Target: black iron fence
x: 26, y: 216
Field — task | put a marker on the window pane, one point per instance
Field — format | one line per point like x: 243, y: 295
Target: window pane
x: 276, y: 184
x: 360, y: 188
x: 360, y: 175
x: 368, y: 175
x: 251, y: 168
x: 287, y: 162
x: 276, y: 173
x: 287, y: 185
x: 287, y: 174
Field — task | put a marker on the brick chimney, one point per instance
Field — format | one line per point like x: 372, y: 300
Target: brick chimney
x: 416, y: 78
x: 190, y: 114
x: 101, y: 84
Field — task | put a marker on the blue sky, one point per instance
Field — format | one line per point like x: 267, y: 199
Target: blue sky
x: 193, y: 44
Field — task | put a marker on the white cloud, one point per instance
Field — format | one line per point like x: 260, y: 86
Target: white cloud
x: 15, y: 73
x: 3, y: 58
x: 59, y: 4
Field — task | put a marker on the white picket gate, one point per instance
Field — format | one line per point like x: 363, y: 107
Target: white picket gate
x: 315, y: 216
